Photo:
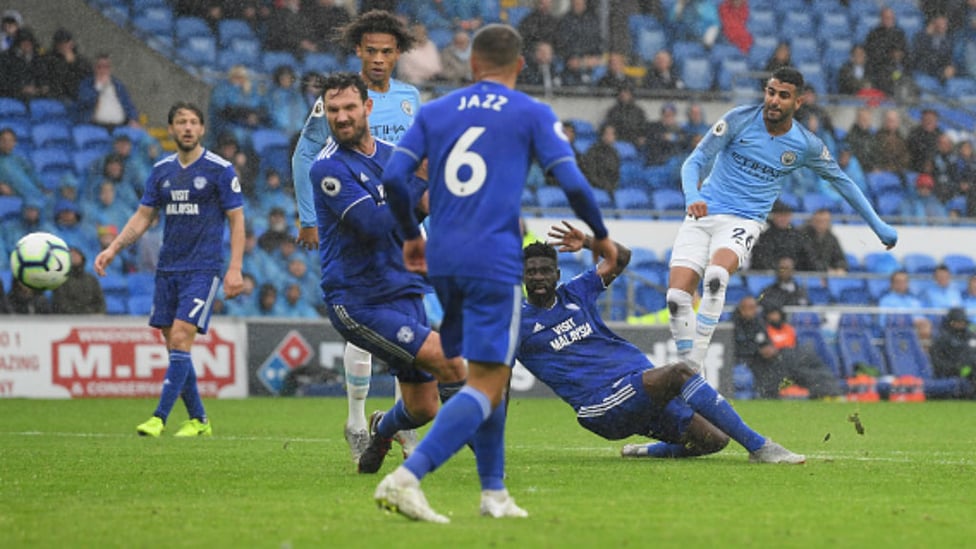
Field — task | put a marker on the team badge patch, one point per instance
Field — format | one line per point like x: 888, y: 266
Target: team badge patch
x: 407, y: 107
x: 318, y: 109
x: 404, y: 334
x: 199, y: 182
x: 235, y: 185
x: 719, y: 128
x: 331, y: 186
x: 788, y: 158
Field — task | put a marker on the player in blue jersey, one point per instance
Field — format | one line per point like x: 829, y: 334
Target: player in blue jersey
x: 751, y: 151
x: 479, y: 142
x: 373, y: 300
x: 378, y: 38
x: 613, y: 387
x: 196, y: 189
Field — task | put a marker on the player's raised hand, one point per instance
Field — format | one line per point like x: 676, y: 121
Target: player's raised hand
x: 415, y: 255
x: 605, y: 248
x: 308, y: 238
x: 698, y: 209
x: 568, y: 237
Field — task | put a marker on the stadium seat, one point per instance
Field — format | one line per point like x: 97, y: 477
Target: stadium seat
x: 140, y: 284
x: 51, y: 161
x: 758, y: 282
x: 584, y: 128
x: 878, y: 287
x: 47, y: 110
x: 139, y: 305
x: 250, y: 47
x: 696, y: 72
x: 229, y: 29
x: 854, y: 264
x: 632, y: 199
x: 817, y: 201
x: 52, y: 135
x: 199, y: 50
x: 90, y: 136
x: 551, y: 197
x: 669, y: 200
x: 855, y: 347
x: 185, y: 27
x: 919, y: 263
x: 115, y: 305
x: 626, y: 150
x: 880, y: 182
x: 797, y: 23
x: 728, y: 70
x: 834, y: 24
x: 819, y: 296
x: 21, y: 128
x: 837, y: 284
x: 440, y: 37
x: 154, y: 21
x: 889, y: 204
x: 813, y: 74
x: 960, y: 87
x: 270, y: 60
x: 264, y: 140
x: 649, y: 299
x: 13, y: 109
x: 960, y: 264
x: 762, y: 22
x: 10, y: 207
x: 320, y: 62
x: 647, y: 36
x: 528, y: 198
x: 227, y: 58
x: 813, y: 337
x: 115, y: 286
x: 684, y: 50
x: 515, y: 14
x: 881, y: 263
x: 603, y: 198
x: 791, y: 200
x: 642, y: 257
x: 808, y: 319
x: 83, y: 160
x: 835, y: 52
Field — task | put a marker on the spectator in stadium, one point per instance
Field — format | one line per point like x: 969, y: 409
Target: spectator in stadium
x: 245, y: 303
x: 665, y: 138
x: 237, y: 106
x: 953, y: 351
x: 578, y: 39
x: 889, y: 150
x: 569, y: 129
x: 734, y: 16
x: 860, y: 138
x: 662, y: 74
x: 466, y: 15
x: 21, y: 68
x: 103, y: 99
x: 601, y: 162
x: 627, y: 117
x: 786, y: 290
x: 455, y: 65
x: 616, y: 74
x: 969, y: 298
x: 135, y: 160
x: 781, y: 239
x: 695, y: 126
x: 880, y: 42
x: 932, y: 50
x: 63, y: 68
x: 539, y: 25
x: 284, y: 102
x: 295, y: 305
x: 311, y: 87
x: 327, y: 17
x: 943, y: 292
x: 782, y: 57
x: 923, y: 139
x: 81, y: 293
x: 853, y: 77
x: 29, y: 221
x: 894, y: 77
x: 23, y: 301
x: 421, y: 63
x: 610, y: 384
x: 257, y: 261
x: 268, y: 304
x: 899, y: 299
x: 277, y: 231
x: 106, y: 209
x: 852, y: 167
x: 17, y: 175
x: 113, y: 171
x: 826, y: 252
x: 965, y: 165
x: 696, y: 20
x: 10, y: 23
x: 68, y: 225
x: 106, y: 234
x: 290, y: 30
x: 809, y: 107
x: 540, y: 68
x: 799, y: 365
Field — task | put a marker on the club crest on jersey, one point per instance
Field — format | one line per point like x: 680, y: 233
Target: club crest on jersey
x: 318, y: 109
x: 407, y: 107
x: 788, y: 158
x: 235, y: 185
x: 331, y: 186
x: 199, y: 182
x: 719, y: 128
x: 405, y: 334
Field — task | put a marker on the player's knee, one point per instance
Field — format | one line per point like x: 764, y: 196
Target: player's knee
x: 715, y: 442
x: 716, y: 279
x: 677, y: 300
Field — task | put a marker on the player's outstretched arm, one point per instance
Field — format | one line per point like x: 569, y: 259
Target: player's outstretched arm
x: 824, y: 166
x: 233, y: 278
x: 301, y: 163
x: 571, y: 239
x: 137, y: 225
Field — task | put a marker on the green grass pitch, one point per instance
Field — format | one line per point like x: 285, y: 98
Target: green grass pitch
x: 277, y: 474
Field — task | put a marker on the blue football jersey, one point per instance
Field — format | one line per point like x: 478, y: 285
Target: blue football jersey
x: 193, y: 201
x: 360, y: 249
x: 479, y: 142
x: 751, y: 166
x: 393, y: 112
x: 570, y: 349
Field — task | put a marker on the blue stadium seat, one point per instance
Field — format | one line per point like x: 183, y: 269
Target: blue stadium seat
x: 838, y: 284
x: 734, y: 294
x: 140, y: 284
x: 84, y: 159
x: 603, y: 198
x: 12, y: 109
x: 919, y: 263
x: 911, y: 23
x: 835, y: 52
x: 47, y: 110
x: 321, y: 62
x: 960, y: 264
x: 758, y: 282
x: 642, y: 257
x: 813, y: 74
x: 228, y: 29
x: 515, y: 14
x: 626, y: 150
x: 819, y: 296
x: 584, y: 128
x: 696, y: 72
x: 22, y: 129
x: 139, y: 305
x: 728, y: 69
x: 632, y: 199
x: 199, y: 50
x: 250, y: 47
x: 270, y: 60
x: 227, y: 58
x: 115, y: 286
x: 10, y: 207
x: 647, y: 36
x: 90, y: 136
x: 649, y: 299
x: 669, y: 200
x: 960, y: 87
x: 813, y: 337
x: 791, y: 200
x: 882, y: 182
x: 889, y: 204
x: 528, y: 198
x: 51, y: 161
x: 185, y: 27
x: 154, y: 20
x: 877, y: 287
x: 551, y: 197
x: 834, y: 24
x: 115, y: 305
x: 762, y: 22
x: 440, y: 37
x: 807, y: 319
x: 684, y: 50
x: 796, y: 23
x: 904, y: 352
x: 804, y: 49
x: 52, y: 135
x: 855, y: 346
x: 881, y: 263
x: 264, y: 140
x: 864, y: 22
x: 817, y: 201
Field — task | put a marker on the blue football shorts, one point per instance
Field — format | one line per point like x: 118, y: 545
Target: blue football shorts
x: 186, y: 296
x: 481, y: 318
x: 625, y: 409
x: 393, y: 332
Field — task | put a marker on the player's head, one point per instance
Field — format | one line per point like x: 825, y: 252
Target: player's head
x: 496, y: 50
x: 541, y: 273
x: 378, y: 38
x: 782, y: 95
x: 347, y: 107
x: 186, y: 125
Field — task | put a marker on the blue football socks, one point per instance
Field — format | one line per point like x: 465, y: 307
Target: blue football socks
x: 712, y: 406
x: 179, y: 365
x: 397, y: 419
x: 666, y: 450
x: 454, y: 426
x: 489, y: 449
x: 191, y: 396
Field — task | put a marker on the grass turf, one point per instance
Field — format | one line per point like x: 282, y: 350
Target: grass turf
x: 277, y: 474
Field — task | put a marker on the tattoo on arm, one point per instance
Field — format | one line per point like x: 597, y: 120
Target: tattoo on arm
x: 127, y: 237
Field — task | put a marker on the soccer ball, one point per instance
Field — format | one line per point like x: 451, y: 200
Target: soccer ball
x: 41, y: 261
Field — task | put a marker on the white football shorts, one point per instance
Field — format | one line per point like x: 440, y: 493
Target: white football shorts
x: 699, y: 239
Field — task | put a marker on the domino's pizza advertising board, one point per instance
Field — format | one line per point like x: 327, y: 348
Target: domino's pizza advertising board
x: 65, y: 357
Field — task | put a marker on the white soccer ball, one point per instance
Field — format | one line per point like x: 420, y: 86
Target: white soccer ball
x: 41, y: 261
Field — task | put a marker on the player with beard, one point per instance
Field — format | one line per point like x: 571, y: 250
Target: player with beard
x: 751, y: 151
x: 196, y: 189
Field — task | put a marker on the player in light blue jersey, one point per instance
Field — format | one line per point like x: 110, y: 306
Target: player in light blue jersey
x: 613, y: 387
x: 479, y: 142
x: 378, y: 38
x: 196, y: 189
x: 373, y: 300
x: 752, y: 150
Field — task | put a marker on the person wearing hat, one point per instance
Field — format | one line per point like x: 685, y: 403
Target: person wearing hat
x: 924, y: 205
x: 953, y: 351
x: 10, y: 23
x: 63, y: 68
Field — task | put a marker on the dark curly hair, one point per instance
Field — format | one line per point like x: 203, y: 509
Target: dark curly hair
x: 539, y: 249
x: 343, y: 80
x: 377, y: 21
